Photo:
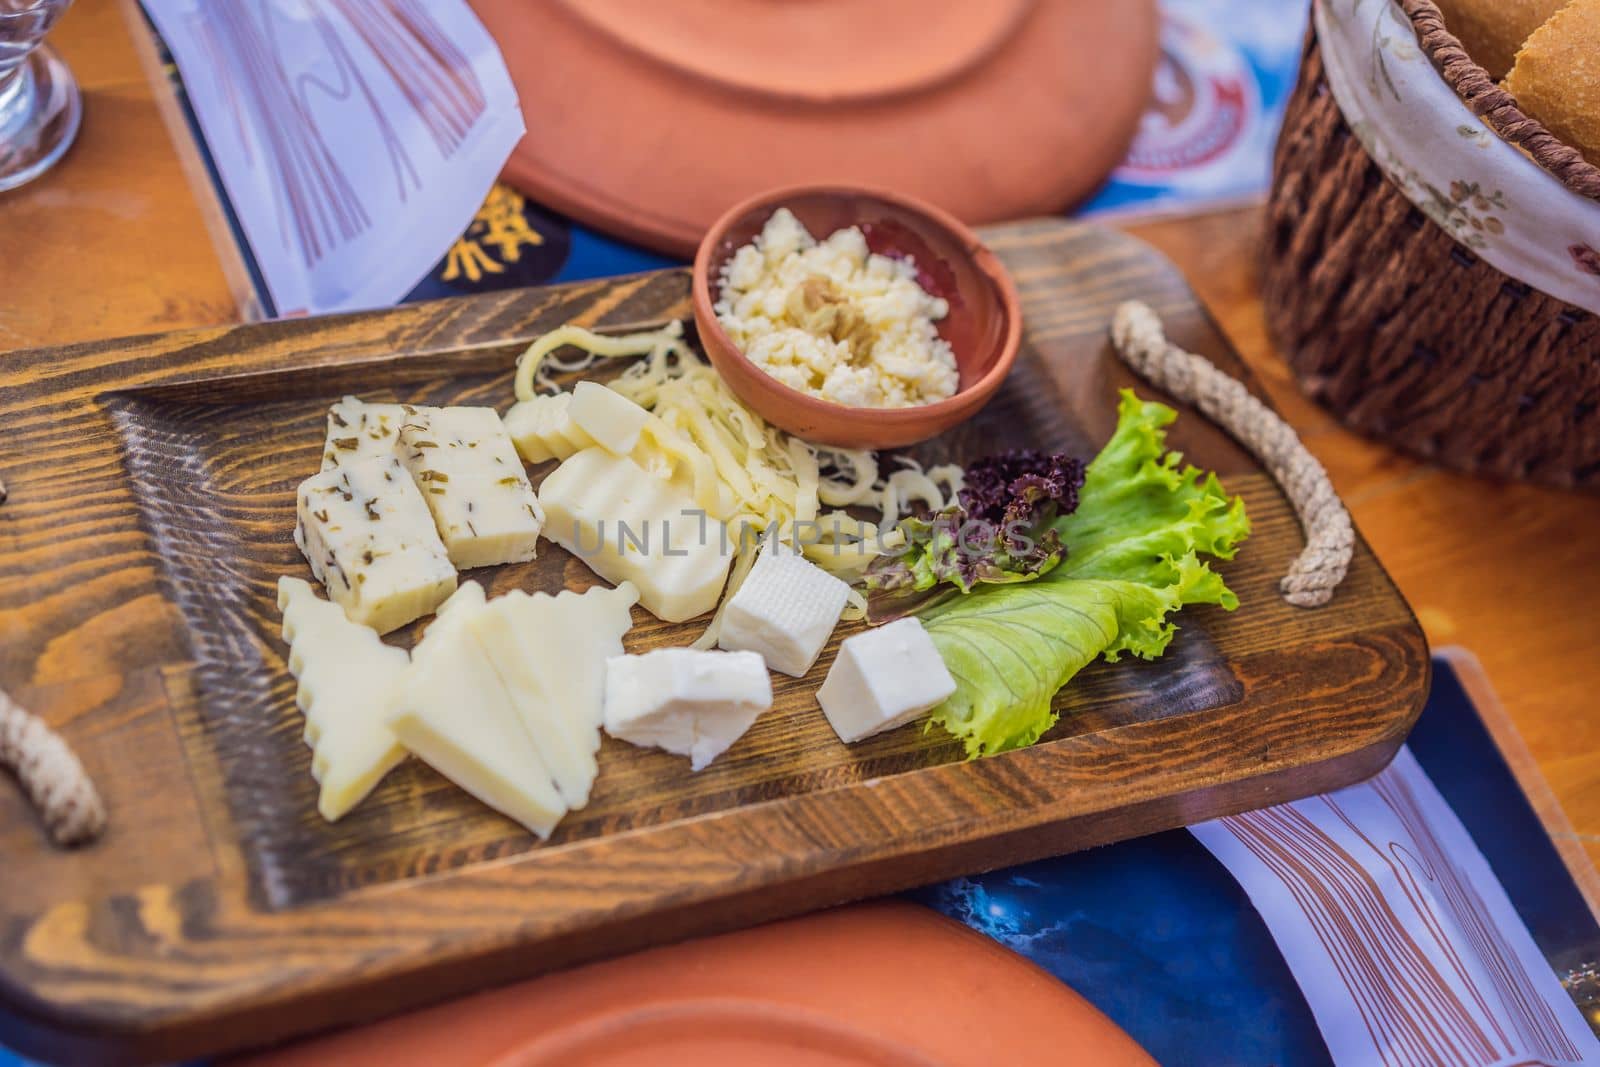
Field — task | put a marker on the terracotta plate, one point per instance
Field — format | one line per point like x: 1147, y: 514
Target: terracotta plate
x: 877, y: 985
x: 649, y: 120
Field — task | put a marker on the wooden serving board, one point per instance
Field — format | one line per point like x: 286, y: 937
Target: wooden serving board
x: 152, y: 498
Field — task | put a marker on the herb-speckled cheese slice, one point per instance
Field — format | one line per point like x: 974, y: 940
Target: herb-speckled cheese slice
x: 360, y: 431
x: 347, y: 680
x: 370, y: 540
x: 472, y: 479
x: 453, y: 711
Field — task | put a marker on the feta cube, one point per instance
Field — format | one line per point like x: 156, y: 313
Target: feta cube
x: 785, y: 610
x: 469, y: 473
x: 607, y: 417
x: 884, y: 678
x: 688, y: 702
x: 370, y: 540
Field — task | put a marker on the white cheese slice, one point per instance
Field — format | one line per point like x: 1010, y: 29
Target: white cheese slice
x: 469, y: 473
x: 347, y: 679
x: 551, y: 652
x: 884, y: 678
x: 786, y: 610
x: 630, y: 526
x: 610, y: 419
x: 359, y: 431
x: 370, y: 540
x: 688, y: 702
x: 542, y: 428
x: 452, y: 710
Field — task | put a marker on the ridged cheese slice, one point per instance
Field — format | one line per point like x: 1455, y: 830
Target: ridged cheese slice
x: 347, y: 679
x: 543, y: 429
x: 630, y: 526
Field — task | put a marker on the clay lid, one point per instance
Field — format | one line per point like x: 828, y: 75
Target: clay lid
x: 885, y: 985
x: 649, y: 119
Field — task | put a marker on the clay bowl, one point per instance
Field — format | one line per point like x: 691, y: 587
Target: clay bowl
x: 984, y: 327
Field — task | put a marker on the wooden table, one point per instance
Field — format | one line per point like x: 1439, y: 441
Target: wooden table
x: 114, y: 242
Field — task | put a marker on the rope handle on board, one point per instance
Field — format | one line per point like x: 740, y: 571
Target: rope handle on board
x: 1141, y: 341
x: 52, y: 778
x: 50, y: 773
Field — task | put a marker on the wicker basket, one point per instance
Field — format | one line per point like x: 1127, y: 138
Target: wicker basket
x: 1402, y: 332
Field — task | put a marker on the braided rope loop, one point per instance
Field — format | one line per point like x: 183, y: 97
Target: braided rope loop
x: 1141, y: 341
x: 51, y: 776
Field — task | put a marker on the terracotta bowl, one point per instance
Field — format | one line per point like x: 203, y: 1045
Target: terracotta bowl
x: 984, y: 326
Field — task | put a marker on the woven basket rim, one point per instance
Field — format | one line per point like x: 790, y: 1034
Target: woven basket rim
x: 1494, y: 105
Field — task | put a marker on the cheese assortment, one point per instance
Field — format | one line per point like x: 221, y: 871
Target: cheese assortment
x: 688, y: 702
x: 346, y: 685
x: 630, y: 526
x: 463, y: 461
x: 370, y: 540
x: 785, y: 610
x: 884, y: 678
x: 660, y: 481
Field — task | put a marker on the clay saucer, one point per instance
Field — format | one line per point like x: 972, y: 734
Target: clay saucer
x: 646, y: 119
x: 877, y: 985
x: 984, y: 326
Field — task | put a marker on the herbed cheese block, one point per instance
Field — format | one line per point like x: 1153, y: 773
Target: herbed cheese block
x: 360, y: 431
x: 688, y: 702
x: 550, y: 653
x: 370, y: 540
x: 469, y: 473
x: 630, y: 526
x: 347, y: 680
x: 453, y: 711
x: 542, y: 428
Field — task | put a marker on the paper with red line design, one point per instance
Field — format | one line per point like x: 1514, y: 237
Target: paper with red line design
x: 355, y: 138
x: 1400, y: 935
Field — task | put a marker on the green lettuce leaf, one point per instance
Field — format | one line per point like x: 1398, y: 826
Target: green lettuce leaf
x: 1134, y: 546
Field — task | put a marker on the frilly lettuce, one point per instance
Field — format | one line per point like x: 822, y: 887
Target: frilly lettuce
x: 1133, y: 558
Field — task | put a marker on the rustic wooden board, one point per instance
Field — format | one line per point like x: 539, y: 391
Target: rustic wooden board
x: 151, y: 505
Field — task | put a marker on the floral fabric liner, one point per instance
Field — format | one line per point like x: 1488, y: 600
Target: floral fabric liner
x: 1483, y: 191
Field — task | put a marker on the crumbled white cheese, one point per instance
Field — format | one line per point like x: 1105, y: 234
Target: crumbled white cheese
x: 834, y: 320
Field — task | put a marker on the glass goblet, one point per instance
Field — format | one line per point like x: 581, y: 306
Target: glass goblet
x: 40, y: 107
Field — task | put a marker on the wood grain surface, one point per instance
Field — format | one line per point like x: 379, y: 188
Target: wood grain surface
x: 1481, y: 561
x: 151, y: 505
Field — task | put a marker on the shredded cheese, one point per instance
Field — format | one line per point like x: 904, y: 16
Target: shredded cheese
x: 737, y: 467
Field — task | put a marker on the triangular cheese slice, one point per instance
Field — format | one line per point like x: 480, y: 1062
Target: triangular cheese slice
x: 551, y: 652
x: 454, y: 712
